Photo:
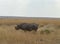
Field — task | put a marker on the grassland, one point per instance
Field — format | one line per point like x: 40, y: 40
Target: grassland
x: 8, y: 34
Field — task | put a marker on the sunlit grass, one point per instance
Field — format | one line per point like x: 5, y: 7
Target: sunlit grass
x: 8, y: 34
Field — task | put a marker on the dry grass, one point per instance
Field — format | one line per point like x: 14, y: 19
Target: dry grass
x: 8, y: 34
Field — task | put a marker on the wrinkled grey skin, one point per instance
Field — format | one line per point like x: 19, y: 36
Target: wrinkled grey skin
x: 27, y: 26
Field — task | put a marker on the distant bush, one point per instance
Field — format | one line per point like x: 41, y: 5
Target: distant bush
x: 8, y: 24
x: 41, y: 25
x: 45, y: 31
x: 58, y: 26
x: 41, y: 32
x: 41, y: 39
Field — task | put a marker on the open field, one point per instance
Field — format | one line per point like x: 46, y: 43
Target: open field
x: 8, y: 34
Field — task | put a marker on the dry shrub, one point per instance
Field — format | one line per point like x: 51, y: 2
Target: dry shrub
x: 46, y: 31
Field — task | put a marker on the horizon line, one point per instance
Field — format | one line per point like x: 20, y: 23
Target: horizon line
x: 31, y: 16
x: 24, y: 17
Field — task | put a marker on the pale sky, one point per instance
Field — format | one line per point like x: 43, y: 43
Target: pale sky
x: 30, y: 8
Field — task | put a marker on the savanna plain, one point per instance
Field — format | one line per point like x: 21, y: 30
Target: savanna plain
x: 48, y: 31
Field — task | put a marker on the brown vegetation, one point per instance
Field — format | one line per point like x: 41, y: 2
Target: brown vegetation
x: 8, y: 34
